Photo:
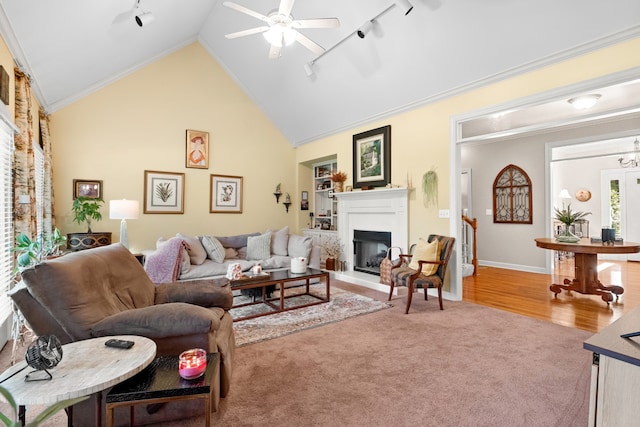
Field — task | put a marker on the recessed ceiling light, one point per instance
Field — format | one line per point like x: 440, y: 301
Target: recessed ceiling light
x: 585, y: 101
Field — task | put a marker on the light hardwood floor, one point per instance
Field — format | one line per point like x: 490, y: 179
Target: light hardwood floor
x: 529, y: 294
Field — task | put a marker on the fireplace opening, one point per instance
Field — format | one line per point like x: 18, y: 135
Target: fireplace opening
x: 369, y: 249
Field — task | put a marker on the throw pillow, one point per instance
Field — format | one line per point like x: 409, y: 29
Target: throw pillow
x: 213, y: 247
x: 300, y: 246
x: 259, y: 247
x: 279, y: 241
x: 230, y: 253
x: 197, y: 254
x: 426, y: 252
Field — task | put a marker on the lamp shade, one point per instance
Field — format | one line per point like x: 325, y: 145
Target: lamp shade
x: 564, y: 194
x: 124, y: 209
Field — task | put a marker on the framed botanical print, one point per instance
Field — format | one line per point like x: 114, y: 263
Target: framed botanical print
x: 372, y: 158
x: 163, y: 192
x: 226, y: 194
x: 197, y: 149
x: 91, y: 188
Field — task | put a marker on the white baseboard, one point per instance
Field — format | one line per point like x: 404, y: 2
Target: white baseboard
x: 518, y: 267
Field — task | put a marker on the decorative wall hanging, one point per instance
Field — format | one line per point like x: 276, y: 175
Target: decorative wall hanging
x: 197, y: 149
x: 583, y: 195
x: 226, y: 194
x: 91, y: 188
x: 163, y: 192
x: 372, y: 158
x: 512, y: 199
x: 430, y: 188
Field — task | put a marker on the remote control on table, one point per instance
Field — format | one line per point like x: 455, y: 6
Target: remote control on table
x: 119, y: 343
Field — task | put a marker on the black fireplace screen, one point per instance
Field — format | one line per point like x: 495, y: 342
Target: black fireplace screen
x: 369, y: 249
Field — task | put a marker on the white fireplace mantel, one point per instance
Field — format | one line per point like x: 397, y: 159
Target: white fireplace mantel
x: 374, y: 210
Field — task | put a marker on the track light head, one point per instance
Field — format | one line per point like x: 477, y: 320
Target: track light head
x: 308, y: 69
x: 144, y: 19
x: 364, y: 29
x: 405, y: 5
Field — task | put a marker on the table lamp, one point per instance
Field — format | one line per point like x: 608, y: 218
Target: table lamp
x: 124, y: 209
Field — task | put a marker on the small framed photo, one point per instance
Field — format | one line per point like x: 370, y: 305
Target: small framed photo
x: 91, y: 188
x: 304, y: 201
x: 197, y: 149
x: 163, y: 192
x: 372, y: 158
x: 226, y: 194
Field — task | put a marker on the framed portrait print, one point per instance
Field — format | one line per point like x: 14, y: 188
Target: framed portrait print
x: 226, y: 194
x: 163, y: 192
x: 197, y: 149
x: 91, y: 188
x: 372, y: 158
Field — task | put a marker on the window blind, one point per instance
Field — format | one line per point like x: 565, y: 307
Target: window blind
x: 6, y: 222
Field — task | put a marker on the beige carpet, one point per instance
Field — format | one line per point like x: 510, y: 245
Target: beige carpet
x: 468, y: 365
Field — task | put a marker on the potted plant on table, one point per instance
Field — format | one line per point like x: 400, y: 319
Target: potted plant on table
x: 31, y: 252
x: 85, y: 210
x: 332, y: 248
x: 568, y: 217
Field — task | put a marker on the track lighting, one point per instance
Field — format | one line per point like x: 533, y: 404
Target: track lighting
x: 308, y: 69
x: 145, y: 18
x: 405, y: 5
x: 364, y: 29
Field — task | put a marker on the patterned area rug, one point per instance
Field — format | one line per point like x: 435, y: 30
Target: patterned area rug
x: 343, y: 305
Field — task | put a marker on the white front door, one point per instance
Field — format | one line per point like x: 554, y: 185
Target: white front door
x: 631, y: 216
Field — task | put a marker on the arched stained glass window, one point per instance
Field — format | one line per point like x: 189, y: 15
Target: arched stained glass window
x: 512, y: 196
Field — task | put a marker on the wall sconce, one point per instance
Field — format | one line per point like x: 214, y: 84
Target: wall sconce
x: 631, y: 163
x: 277, y: 193
x: 124, y: 209
x: 364, y: 29
x: 287, y: 202
x: 405, y: 5
x: 585, y: 101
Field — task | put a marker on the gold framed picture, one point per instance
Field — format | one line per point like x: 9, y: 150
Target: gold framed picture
x: 163, y: 192
x: 226, y: 194
x: 91, y: 188
x: 197, y: 152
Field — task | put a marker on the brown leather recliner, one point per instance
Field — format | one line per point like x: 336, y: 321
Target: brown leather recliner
x: 106, y: 291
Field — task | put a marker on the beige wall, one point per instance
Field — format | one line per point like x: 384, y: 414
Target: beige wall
x: 421, y: 140
x: 139, y: 123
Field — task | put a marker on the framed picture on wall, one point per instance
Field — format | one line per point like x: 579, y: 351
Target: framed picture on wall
x: 163, y: 192
x: 91, y: 188
x: 372, y: 158
x: 197, y: 149
x: 225, y: 194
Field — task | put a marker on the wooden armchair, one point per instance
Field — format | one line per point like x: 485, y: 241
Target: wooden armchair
x: 402, y: 275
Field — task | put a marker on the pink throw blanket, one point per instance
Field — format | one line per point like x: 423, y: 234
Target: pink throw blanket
x: 163, y: 266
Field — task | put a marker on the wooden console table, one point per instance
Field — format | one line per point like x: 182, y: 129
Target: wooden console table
x: 586, y: 265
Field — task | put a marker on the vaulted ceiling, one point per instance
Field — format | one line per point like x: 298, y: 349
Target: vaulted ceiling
x: 73, y: 47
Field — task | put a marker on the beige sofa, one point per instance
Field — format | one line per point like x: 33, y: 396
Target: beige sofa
x: 105, y: 291
x: 209, y: 256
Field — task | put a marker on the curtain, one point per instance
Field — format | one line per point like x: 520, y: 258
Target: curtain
x: 49, y: 221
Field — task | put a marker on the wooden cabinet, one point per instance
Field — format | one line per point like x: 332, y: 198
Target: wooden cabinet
x: 324, y: 203
x: 615, y: 374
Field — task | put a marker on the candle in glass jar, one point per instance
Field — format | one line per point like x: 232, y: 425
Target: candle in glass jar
x: 192, y: 363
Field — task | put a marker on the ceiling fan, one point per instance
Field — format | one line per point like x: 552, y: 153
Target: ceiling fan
x: 281, y: 29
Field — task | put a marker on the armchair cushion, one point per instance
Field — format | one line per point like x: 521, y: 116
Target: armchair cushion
x: 163, y: 320
x: 426, y: 252
x: 205, y: 293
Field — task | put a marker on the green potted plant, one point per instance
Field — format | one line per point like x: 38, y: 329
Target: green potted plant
x: 568, y: 217
x: 11, y: 420
x: 31, y: 252
x: 86, y: 210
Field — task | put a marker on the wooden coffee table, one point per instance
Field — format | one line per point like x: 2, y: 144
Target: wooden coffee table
x: 86, y: 367
x: 279, y: 278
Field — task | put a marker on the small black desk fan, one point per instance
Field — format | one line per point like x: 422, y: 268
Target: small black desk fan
x: 45, y: 353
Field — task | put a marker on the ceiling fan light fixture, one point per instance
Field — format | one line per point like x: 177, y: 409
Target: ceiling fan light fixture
x: 405, y: 5
x: 145, y: 18
x: 585, y: 101
x: 280, y: 35
x: 364, y: 29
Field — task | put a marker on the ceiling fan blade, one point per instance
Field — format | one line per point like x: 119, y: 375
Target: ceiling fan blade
x: 248, y: 32
x: 274, y: 52
x: 316, y: 23
x: 309, y: 44
x: 285, y: 7
x: 246, y: 11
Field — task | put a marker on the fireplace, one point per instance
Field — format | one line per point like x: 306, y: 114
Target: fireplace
x: 369, y: 249
x: 380, y: 210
